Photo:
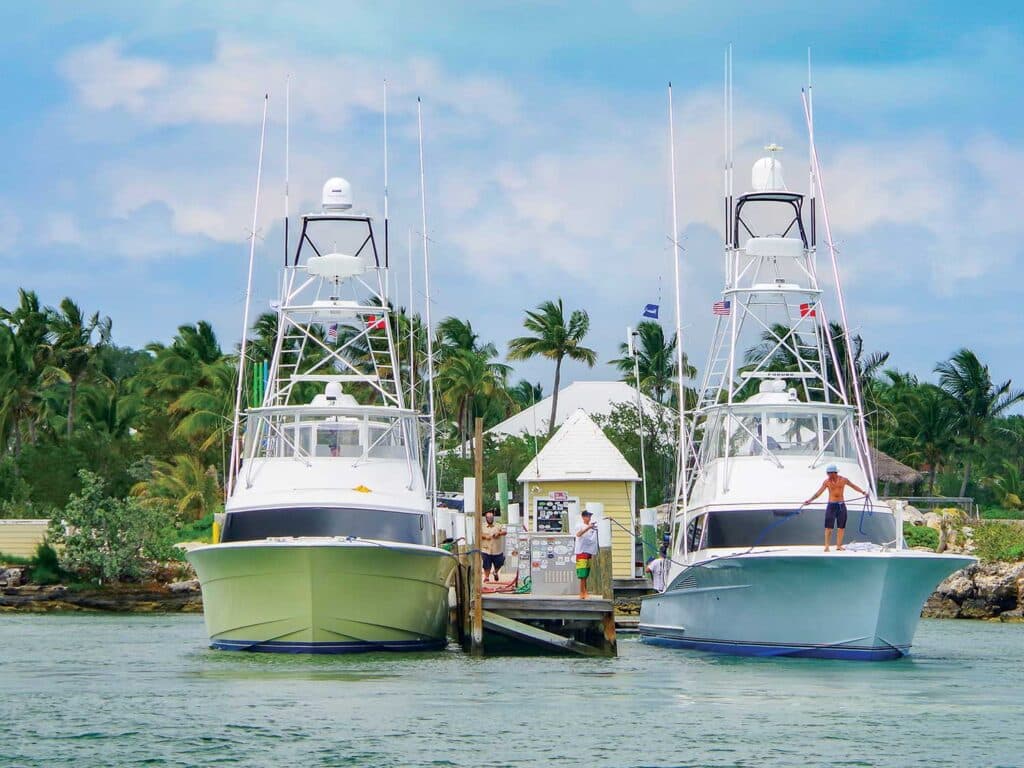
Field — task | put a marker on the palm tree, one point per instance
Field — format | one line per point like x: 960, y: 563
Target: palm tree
x: 865, y: 367
x: 656, y: 359
x: 524, y: 394
x: 109, y: 410
x: 555, y: 339
x: 978, y: 401
x: 25, y: 368
x: 75, y: 351
x: 467, y: 381
x: 206, y: 409
x: 927, y: 421
x: 184, y: 484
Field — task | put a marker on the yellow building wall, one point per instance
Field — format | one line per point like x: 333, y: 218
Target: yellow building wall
x: 617, y: 497
x: 21, y: 537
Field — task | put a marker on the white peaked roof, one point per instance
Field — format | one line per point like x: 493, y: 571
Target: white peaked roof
x: 579, y: 450
x: 597, y: 398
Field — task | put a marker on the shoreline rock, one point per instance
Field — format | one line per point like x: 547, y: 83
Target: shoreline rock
x: 181, y: 597
x: 992, y: 591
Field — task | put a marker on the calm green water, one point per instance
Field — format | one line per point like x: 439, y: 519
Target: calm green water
x: 144, y: 690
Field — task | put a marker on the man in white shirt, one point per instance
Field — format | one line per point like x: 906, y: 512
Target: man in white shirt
x: 658, y: 568
x: 586, y: 550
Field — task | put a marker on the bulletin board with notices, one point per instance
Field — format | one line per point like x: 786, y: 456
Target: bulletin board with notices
x: 552, y: 515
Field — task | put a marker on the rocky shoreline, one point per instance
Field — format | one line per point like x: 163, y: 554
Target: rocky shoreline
x: 176, y: 597
x: 993, y: 591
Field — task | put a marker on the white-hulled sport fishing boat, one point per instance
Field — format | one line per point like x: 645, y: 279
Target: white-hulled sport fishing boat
x: 328, y: 539
x: 749, y: 573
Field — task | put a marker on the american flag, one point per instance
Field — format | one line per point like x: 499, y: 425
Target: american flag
x: 332, y: 333
x: 721, y: 308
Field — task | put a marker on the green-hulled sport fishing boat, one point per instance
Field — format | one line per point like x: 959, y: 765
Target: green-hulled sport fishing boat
x: 327, y: 544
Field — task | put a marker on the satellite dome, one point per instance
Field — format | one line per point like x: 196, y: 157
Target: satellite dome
x: 337, y: 195
x: 766, y: 175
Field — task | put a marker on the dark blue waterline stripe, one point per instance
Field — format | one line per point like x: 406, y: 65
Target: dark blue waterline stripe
x: 856, y: 653
x: 351, y: 646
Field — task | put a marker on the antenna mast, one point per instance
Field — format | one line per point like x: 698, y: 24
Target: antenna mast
x: 232, y: 470
x: 432, y: 467
x: 684, y: 442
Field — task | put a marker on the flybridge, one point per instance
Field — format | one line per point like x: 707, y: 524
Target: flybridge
x: 333, y: 313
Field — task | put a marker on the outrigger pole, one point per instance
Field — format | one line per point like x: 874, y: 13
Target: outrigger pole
x: 387, y: 263
x: 412, y: 336
x: 862, y: 443
x: 684, y: 442
x: 287, y: 158
x: 232, y: 469
x: 432, y: 466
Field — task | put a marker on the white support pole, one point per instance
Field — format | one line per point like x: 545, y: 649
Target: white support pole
x: 862, y: 441
x: 681, y: 484
x: 432, y: 467
x: 412, y: 335
x: 232, y: 470
x: 630, y: 335
x: 287, y: 159
x: 387, y: 239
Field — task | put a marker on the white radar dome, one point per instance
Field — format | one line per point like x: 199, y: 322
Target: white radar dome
x: 337, y: 195
x: 766, y: 175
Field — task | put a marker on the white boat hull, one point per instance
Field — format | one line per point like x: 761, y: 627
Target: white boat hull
x: 839, y: 605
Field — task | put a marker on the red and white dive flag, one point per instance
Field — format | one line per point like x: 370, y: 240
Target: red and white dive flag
x: 807, y: 310
x: 375, y: 323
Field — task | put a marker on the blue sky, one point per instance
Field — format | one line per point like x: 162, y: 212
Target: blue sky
x: 130, y: 135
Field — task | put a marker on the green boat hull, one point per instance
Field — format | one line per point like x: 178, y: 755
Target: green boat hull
x: 324, y: 596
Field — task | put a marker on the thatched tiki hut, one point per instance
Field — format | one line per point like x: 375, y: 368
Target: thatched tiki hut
x: 889, y: 471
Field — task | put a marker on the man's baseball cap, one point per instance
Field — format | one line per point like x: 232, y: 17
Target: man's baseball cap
x: 585, y: 513
x: 831, y: 468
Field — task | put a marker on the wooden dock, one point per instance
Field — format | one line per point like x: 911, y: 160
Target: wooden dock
x: 552, y: 623
x: 566, y: 624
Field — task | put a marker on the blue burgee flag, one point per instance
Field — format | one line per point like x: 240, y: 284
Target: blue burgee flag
x: 651, y: 310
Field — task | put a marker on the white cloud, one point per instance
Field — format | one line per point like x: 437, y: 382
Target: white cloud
x: 537, y: 180
x: 328, y: 90
x: 104, y: 78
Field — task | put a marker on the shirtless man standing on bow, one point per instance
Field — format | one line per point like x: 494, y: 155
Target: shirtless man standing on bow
x: 835, y: 510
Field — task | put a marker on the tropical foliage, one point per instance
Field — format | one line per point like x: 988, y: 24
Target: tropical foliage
x: 154, y: 424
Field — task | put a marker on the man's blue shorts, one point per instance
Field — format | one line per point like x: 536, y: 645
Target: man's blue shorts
x: 835, y: 515
x: 496, y: 561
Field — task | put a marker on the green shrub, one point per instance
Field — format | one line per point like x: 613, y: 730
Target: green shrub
x: 44, y: 567
x: 108, y: 538
x: 920, y: 536
x: 999, y: 541
x: 196, y: 530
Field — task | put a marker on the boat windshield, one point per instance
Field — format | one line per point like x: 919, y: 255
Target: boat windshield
x: 779, y: 430
x: 386, y: 525
x: 319, y: 434
x: 728, y: 529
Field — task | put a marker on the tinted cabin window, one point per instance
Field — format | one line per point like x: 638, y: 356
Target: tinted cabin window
x: 253, y: 525
x: 780, y: 527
